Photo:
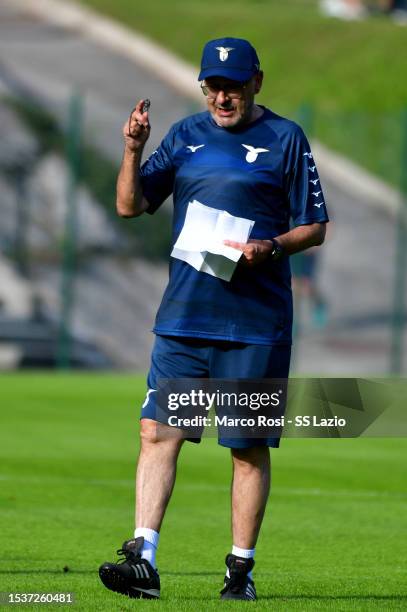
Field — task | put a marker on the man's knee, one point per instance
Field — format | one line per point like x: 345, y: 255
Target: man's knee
x: 153, y: 433
x: 247, y: 459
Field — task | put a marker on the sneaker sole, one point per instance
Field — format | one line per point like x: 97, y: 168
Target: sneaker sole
x: 115, y: 582
x: 238, y: 597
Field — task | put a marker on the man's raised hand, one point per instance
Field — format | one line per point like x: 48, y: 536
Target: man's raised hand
x: 136, y: 130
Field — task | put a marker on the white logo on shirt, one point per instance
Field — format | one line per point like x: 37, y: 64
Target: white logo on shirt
x: 153, y: 153
x: 147, y: 397
x: 251, y: 156
x: 316, y: 193
x: 314, y: 181
x: 194, y: 148
x: 309, y: 154
x: 312, y: 168
x: 319, y: 204
x: 224, y: 52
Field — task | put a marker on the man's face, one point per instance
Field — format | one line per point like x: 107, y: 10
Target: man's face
x: 231, y: 102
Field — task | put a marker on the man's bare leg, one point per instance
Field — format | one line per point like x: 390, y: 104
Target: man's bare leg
x: 250, y: 490
x: 136, y: 575
x: 156, y: 470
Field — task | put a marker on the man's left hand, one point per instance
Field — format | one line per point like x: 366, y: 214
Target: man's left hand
x: 254, y: 251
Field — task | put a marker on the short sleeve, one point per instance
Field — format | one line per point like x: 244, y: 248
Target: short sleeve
x: 304, y: 190
x: 157, y: 174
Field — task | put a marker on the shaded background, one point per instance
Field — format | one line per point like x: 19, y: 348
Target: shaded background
x: 81, y: 287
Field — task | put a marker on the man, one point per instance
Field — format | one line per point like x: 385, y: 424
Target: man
x: 239, y: 157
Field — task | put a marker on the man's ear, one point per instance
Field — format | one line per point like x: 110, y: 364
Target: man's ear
x: 258, y: 81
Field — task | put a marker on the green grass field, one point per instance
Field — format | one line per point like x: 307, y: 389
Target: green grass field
x: 332, y: 537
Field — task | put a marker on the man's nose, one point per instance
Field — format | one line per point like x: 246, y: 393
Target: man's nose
x: 222, y: 97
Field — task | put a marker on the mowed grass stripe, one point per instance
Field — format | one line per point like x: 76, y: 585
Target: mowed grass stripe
x: 281, y: 491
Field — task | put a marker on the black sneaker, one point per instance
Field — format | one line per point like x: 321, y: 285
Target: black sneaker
x: 132, y: 575
x: 239, y: 585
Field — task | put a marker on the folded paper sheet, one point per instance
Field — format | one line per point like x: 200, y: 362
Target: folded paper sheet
x: 200, y: 242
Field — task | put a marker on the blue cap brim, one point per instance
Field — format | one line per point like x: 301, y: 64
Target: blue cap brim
x: 228, y: 73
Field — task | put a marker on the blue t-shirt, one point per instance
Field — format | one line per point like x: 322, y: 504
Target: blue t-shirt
x: 262, y: 171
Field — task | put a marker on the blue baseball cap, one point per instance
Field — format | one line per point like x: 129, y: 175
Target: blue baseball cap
x: 232, y: 58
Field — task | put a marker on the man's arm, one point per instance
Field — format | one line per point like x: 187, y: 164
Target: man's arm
x: 302, y: 237
x: 296, y: 240
x: 130, y: 201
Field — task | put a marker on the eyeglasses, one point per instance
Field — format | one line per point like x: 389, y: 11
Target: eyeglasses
x: 233, y: 92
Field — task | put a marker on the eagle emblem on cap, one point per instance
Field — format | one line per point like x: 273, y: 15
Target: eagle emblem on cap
x: 224, y: 52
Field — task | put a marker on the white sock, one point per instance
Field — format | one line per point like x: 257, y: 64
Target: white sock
x: 246, y: 553
x: 151, y: 539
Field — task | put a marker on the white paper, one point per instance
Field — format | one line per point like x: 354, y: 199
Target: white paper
x: 216, y: 265
x: 200, y: 243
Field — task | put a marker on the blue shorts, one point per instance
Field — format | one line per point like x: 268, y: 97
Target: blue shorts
x: 175, y: 357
